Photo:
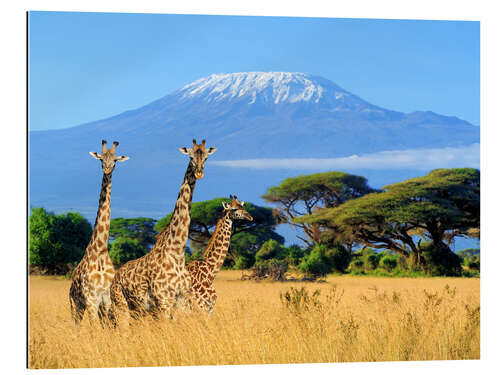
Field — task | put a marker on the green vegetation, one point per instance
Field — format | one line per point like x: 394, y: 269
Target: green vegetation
x: 139, y: 228
x: 471, y: 260
x: 303, y: 195
x: 417, y: 218
x: 131, y: 238
x: 56, y: 242
x: 322, y: 260
x: 406, y: 229
x: 246, y: 240
x: 124, y: 249
x: 270, y: 249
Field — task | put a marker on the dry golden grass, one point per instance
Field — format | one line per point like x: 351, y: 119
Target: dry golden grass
x: 352, y: 319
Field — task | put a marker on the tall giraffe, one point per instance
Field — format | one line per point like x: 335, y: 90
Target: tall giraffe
x: 92, y: 277
x: 203, y: 272
x: 159, y: 281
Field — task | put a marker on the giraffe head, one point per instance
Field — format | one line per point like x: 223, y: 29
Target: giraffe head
x: 108, y: 157
x: 235, y: 209
x: 198, y: 155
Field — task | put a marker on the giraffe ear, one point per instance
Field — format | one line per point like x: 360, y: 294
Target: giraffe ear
x: 184, y: 150
x: 95, y: 155
x: 122, y: 158
x: 211, y: 150
x: 226, y: 205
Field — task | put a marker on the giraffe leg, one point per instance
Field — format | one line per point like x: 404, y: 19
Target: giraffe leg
x: 77, y: 307
x: 105, y: 310
x: 118, y: 312
x: 165, y: 303
x: 206, y: 300
x: 93, y: 309
x: 212, y: 298
x: 184, y: 303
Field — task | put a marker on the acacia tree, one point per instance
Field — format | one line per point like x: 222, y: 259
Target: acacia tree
x: 139, y: 228
x: 131, y: 238
x: 124, y: 249
x: 303, y: 195
x: 436, y: 208
x: 247, y: 237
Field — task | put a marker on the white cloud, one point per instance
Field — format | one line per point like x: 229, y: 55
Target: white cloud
x: 421, y: 159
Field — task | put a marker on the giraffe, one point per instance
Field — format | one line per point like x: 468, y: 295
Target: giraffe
x: 203, y: 272
x: 158, y: 282
x: 92, y: 277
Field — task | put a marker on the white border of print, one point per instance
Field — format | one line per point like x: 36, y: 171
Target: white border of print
x: 13, y: 218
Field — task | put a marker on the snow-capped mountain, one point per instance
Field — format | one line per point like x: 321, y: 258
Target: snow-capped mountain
x: 271, y: 88
x: 262, y: 93
x: 247, y: 115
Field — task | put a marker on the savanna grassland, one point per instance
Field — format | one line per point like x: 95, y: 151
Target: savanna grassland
x: 349, y: 319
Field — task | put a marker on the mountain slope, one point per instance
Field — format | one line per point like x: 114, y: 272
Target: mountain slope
x: 246, y: 116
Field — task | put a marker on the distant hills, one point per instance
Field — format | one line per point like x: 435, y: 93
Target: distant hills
x: 246, y: 116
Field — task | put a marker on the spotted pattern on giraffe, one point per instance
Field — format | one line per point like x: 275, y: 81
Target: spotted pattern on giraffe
x: 91, y: 280
x: 203, y: 272
x: 158, y: 283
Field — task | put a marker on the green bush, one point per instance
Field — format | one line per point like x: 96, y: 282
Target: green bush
x: 339, y: 258
x: 315, y: 263
x: 56, y: 240
x: 371, y: 262
x: 294, y: 254
x: 370, y: 259
x: 403, y: 264
x: 356, y: 266
x: 388, y: 262
x: 124, y: 249
x: 243, y: 262
x: 270, y: 249
x: 321, y: 261
x: 472, y: 263
x: 271, y: 268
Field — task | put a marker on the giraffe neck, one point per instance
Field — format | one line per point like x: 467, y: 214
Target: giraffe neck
x: 99, y: 241
x: 216, y: 250
x: 175, y: 235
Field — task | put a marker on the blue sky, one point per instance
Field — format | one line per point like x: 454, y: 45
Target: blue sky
x: 88, y: 66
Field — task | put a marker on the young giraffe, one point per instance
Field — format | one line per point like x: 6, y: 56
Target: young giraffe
x: 159, y: 281
x: 92, y: 277
x: 203, y: 272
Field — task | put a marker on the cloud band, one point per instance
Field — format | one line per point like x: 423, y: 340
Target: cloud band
x: 421, y: 159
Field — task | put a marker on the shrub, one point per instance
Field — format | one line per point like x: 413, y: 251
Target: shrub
x: 388, y: 262
x: 315, y: 263
x: 270, y: 249
x: 370, y: 259
x: 356, y: 265
x: 339, y: 258
x: 243, y: 262
x: 403, y: 263
x: 472, y: 263
x: 57, y: 240
x: 274, y: 269
x: 124, y: 249
x: 294, y: 254
x: 321, y: 260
